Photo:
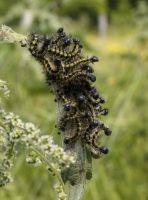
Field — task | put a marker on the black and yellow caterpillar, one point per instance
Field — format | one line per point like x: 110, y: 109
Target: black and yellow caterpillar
x: 70, y: 76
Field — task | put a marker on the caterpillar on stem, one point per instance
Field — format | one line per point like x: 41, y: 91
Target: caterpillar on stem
x: 69, y: 71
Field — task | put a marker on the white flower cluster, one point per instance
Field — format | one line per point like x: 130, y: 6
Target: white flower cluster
x: 43, y: 144
x: 5, y: 178
x: 61, y: 194
x: 4, y: 88
x: 41, y: 148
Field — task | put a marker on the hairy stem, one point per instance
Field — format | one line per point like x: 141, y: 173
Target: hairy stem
x: 10, y: 36
x: 75, y: 175
x: 76, y: 191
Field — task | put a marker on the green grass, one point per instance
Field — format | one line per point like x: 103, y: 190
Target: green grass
x: 122, y: 80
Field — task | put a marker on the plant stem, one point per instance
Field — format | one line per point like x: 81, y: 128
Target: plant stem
x: 10, y: 36
x: 75, y: 175
x: 76, y: 191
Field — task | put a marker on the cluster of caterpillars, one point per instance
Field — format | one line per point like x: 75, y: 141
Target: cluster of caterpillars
x: 70, y: 75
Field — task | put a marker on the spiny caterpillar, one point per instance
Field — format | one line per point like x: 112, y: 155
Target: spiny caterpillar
x: 70, y: 76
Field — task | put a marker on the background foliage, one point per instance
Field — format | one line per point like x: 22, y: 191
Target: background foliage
x: 121, y: 78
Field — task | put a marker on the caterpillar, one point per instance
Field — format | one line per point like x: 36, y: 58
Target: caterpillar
x: 70, y: 75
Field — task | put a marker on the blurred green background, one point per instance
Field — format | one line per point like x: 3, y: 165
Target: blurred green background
x: 117, y: 32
